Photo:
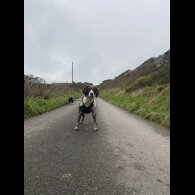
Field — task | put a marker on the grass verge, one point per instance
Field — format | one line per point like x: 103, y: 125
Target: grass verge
x: 38, y: 105
x: 152, y: 103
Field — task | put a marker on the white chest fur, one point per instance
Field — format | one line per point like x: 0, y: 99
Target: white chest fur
x: 87, y: 101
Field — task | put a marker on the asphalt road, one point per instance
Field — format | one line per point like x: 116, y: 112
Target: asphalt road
x: 128, y: 155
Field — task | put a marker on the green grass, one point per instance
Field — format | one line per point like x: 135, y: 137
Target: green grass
x: 152, y: 103
x: 39, y: 105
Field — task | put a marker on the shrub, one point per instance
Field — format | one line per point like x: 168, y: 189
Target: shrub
x: 140, y: 83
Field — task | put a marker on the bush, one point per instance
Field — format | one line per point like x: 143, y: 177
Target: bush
x: 140, y: 83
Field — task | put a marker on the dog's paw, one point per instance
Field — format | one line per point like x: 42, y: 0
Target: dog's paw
x: 95, y: 128
x: 76, y: 128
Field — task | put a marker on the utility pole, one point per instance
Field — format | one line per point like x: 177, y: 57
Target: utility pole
x: 72, y: 72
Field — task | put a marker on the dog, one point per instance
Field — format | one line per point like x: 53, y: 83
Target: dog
x: 70, y: 99
x: 88, y: 105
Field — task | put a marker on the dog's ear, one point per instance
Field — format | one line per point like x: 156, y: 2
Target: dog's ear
x: 85, y: 90
x: 96, y: 91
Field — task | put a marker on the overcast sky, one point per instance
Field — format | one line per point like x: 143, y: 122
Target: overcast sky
x: 103, y: 38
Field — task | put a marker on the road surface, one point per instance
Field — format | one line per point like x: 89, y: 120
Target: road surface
x: 128, y: 155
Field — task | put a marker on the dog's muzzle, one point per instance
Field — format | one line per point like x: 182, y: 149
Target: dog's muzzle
x: 91, y: 94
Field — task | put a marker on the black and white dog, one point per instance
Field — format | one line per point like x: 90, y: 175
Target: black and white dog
x: 88, y: 105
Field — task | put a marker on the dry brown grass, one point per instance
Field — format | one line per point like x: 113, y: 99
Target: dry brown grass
x: 37, y: 87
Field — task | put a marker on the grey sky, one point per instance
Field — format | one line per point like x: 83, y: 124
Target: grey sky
x: 102, y: 37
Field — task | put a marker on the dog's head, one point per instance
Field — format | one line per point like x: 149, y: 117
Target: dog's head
x: 90, y: 91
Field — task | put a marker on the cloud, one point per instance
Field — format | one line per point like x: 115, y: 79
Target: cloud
x: 103, y: 38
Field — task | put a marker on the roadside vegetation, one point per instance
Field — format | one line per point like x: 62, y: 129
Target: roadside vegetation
x: 40, y: 97
x: 152, y: 102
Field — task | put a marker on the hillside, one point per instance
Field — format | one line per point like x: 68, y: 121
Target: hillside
x: 144, y: 91
x: 153, y: 70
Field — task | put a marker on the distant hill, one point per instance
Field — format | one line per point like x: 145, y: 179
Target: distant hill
x: 153, y: 70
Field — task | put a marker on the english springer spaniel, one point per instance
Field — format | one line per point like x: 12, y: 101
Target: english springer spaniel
x: 88, y: 105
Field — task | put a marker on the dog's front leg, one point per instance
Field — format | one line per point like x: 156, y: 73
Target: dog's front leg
x: 94, y: 121
x: 78, y: 121
x: 83, y: 116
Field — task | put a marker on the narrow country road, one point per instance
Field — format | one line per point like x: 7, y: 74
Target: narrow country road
x: 128, y: 155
